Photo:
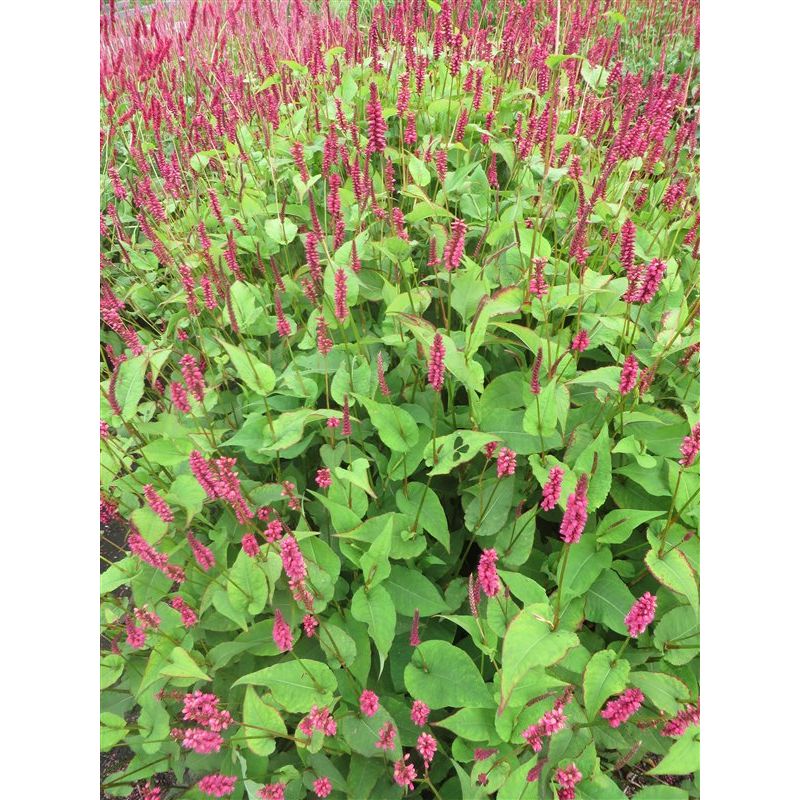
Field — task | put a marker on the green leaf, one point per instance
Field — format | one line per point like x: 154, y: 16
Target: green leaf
x: 419, y: 172
x: 181, y: 665
x: 295, y: 685
x: 488, y: 511
x: 473, y: 724
x: 679, y: 627
x: 609, y: 600
x: 674, y: 572
x: 111, y: 667
x: 600, y: 472
x: 455, y: 449
x: 411, y: 590
x: 617, y: 526
x: 605, y: 675
x: 281, y: 232
x: 362, y: 732
x: 683, y: 757
x: 396, y: 427
x: 661, y: 792
x: 664, y: 691
x: 113, y: 729
x: 257, y: 376
x: 260, y: 721
x: 541, y: 417
x: 442, y: 675
x: 422, y: 506
x: 377, y: 610
x: 375, y: 562
x: 530, y: 642
x: 247, y: 585
x: 584, y: 565
x: 130, y: 385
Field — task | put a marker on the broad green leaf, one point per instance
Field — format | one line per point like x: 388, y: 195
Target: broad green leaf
x: 617, y: 526
x: 584, y: 564
x: 473, y: 724
x: 679, y: 628
x: 595, y: 461
x: 362, y: 732
x: 295, y: 685
x: 674, y: 572
x: 261, y: 722
x: 441, y: 675
x: 181, y: 665
x: 422, y: 506
x: 257, y: 376
x: 111, y: 667
x: 377, y: 610
x: 455, y: 449
x: 247, y: 585
x: 683, y: 757
x: 664, y: 691
x: 530, y: 642
x: 661, y: 792
x: 130, y: 385
x: 395, y: 426
x: 609, y: 600
x: 411, y: 590
x: 605, y: 675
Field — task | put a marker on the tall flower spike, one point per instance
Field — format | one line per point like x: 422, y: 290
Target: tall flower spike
x: 193, y: 377
x: 487, y: 573
x: 576, y: 513
x: 414, y: 639
x: 157, y: 503
x: 642, y: 613
x: 324, y: 341
x: 506, y: 462
x: 202, y: 555
x: 630, y: 370
x: 385, y: 390
x: 551, y: 491
x: 376, y: 123
x: 536, y: 386
x: 436, y: 364
x: 690, y: 447
x: 623, y: 708
x: 281, y: 632
x: 340, y: 295
x: 347, y: 428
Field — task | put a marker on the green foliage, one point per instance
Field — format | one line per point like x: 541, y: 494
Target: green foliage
x: 339, y: 504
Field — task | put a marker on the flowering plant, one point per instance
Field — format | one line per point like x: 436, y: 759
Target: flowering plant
x: 399, y: 400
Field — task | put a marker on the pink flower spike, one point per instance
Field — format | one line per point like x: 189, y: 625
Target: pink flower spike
x: 436, y: 364
x: 487, y: 573
x: 567, y: 779
x: 369, y: 703
x: 576, y: 513
x: 630, y: 370
x: 202, y: 555
x: 250, y: 545
x: 217, y: 785
x: 322, y: 787
x: 323, y: 478
x: 282, y: 633
x: 294, y: 564
x: 684, y: 719
x: 426, y: 747
x: 690, y: 447
x: 386, y: 737
x: 580, y: 342
x: 310, y: 624
x: 414, y: 639
x: 551, y: 491
x: 273, y: 791
x: 404, y: 774
x: 623, y: 708
x: 157, y: 503
x: 340, y: 295
x: 642, y: 613
x: 506, y: 462
x: 419, y: 713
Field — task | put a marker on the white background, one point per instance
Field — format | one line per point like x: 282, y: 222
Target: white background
x: 49, y: 417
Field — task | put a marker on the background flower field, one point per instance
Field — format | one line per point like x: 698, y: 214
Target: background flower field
x: 399, y: 400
